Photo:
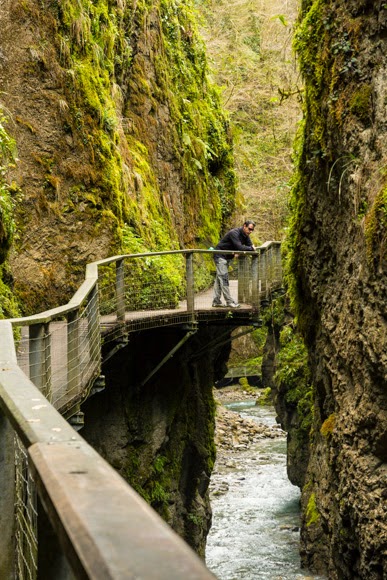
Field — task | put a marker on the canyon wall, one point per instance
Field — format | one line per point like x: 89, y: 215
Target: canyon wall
x: 338, y: 265
x: 121, y: 143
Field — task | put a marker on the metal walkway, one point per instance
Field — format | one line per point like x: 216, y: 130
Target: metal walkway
x: 51, y: 362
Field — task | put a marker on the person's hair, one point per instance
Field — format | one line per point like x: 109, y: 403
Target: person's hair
x: 249, y: 222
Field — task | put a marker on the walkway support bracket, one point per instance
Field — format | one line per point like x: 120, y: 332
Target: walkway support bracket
x: 217, y: 342
x: 168, y: 356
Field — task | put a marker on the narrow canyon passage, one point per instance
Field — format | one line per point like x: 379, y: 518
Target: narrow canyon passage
x: 255, y: 526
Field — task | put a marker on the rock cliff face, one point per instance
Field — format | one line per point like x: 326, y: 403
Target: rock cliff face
x: 160, y: 436
x: 339, y: 259
x: 121, y: 142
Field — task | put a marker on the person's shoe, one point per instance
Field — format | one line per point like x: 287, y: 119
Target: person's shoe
x: 233, y: 305
x: 217, y: 305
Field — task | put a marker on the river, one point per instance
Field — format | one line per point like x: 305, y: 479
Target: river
x: 255, y: 527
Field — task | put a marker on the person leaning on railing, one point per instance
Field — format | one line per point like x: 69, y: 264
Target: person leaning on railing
x: 236, y: 239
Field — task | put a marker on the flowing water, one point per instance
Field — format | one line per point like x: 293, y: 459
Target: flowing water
x: 255, y: 526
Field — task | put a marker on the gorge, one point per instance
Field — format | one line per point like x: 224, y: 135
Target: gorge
x: 114, y: 140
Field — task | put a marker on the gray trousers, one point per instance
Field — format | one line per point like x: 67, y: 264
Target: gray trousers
x: 222, y: 284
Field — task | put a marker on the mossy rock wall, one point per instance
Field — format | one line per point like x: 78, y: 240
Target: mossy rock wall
x: 338, y: 282
x: 121, y: 140
x: 160, y: 436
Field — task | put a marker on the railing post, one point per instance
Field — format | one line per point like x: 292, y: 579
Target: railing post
x: 94, y: 335
x: 270, y: 269
x: 263, y: 273
x: 40, y: 357
x: 7, y: 499
x: 255, y: 301
x: 73, y: 358
x: 278, y: 264
x: 243, y: 281
x: 190, y: 282
x: 120, y: 290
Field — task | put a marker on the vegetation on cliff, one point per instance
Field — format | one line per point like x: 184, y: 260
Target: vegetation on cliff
x: 8, y: 305
x: 133, y: 149
x: 336, y: 270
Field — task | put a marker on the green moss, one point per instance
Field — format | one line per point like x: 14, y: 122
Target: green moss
x: 310, y: 43
x: 293, y: 380
x: 360, y: 102
x: 265, y: 397
x: 157, y: 489
x: 206, y: 151
x: 376, y: 229
x: 9, y: 193
x: 312, y: 513
x: 328, y: 426
x: 195, y: 519
x: 9, y: 307
x: 7, y: 156
x: 200, y: 135
x: 121, y: 106
x: 244, y: 383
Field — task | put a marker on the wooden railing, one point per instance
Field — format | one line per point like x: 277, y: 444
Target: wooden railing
x: 93, y: 523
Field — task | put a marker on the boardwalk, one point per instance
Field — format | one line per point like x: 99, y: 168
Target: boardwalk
x: 51, y: 362
x: 63, y: 358
x: 143, y: 319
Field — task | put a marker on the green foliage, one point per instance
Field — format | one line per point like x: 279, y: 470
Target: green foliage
x: 203, y: 271
x: 159, y: 464
x: 291, y: 258
x: 274, y: 315
x: 310, y: 45
x: 153, y: 488
x: 292, y: 360
x: 158, y: 495
x: 195, y: 519
x: 95, y: 41
x: 259, y: 337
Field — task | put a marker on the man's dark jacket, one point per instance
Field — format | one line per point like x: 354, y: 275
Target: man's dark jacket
x: 235, y: 239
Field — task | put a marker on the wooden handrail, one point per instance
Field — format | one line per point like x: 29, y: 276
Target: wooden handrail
x: 106, y: 530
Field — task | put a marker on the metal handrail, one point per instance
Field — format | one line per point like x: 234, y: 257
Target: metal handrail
x: 91, y: 279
